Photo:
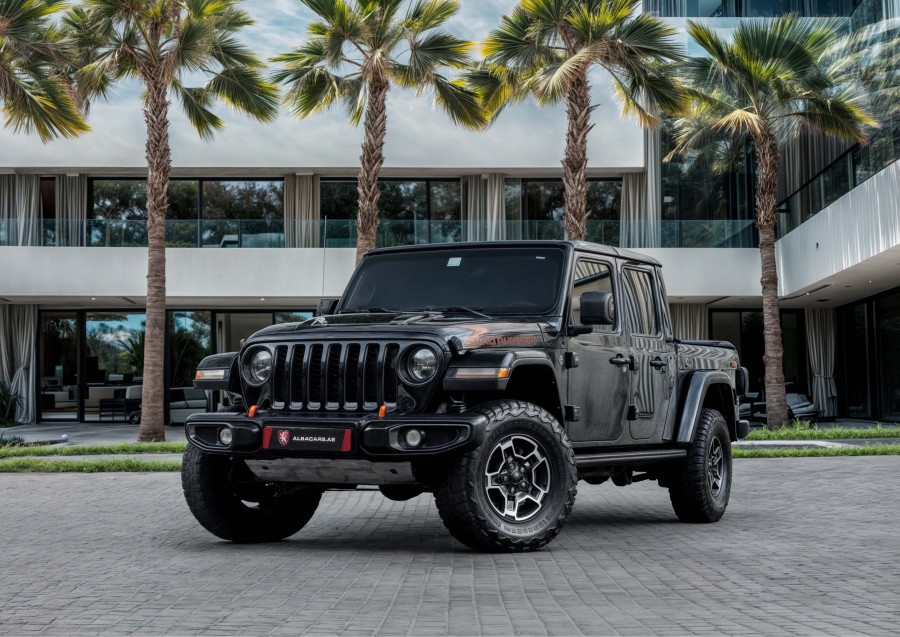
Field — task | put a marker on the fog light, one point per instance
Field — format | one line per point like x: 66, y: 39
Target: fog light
x: 225, y: 436
x: 414, y: 437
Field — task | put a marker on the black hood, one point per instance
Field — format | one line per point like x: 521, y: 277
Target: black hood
x: 473, y: 332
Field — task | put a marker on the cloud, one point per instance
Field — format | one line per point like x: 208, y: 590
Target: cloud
x: 419, y: 136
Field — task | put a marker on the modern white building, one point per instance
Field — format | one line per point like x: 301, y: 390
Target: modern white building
x: 262, y: 224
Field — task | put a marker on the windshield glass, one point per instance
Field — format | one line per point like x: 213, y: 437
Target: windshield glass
x: 488, y: 280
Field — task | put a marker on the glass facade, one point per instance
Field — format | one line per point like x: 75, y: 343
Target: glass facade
x: 91, y: 363
x: 744, y: 329
x: 749, y: 8
x: 867, y: 369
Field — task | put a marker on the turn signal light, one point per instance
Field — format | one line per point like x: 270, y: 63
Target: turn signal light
x: 480, y: 372
x: 252, y: 412
x: 210, y: 374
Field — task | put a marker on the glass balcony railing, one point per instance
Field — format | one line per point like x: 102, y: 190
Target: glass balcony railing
x: 341, y: 233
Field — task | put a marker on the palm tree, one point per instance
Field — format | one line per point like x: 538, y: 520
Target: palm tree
x: 547, y: 49
x: 34, y: 93
x: 163, y: 44
x: 355, y: 51
x: 775, y: 78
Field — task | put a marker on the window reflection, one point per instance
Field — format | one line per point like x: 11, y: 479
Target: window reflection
x: 59, y: 366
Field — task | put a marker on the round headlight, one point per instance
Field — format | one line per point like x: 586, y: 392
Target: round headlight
x: 421, y: 364
x: 260, y: 367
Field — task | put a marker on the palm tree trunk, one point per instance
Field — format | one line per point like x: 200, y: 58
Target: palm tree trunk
x: 578, y: 111
x: 370, y: 166
x: 159, y: 163
x: 766, y: 206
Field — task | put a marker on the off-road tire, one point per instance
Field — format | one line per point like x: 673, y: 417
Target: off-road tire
x: 691, y: 490
x: 207, y: 483
x: 460, y: 495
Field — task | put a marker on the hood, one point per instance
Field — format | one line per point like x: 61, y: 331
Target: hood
x: 473, y: 332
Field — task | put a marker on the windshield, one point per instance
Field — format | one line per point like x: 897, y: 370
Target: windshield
x: 488, y: 280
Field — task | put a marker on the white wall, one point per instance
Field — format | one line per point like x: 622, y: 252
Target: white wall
x: 860, y: 226
x: 195, y: 277
x: 289, y: 278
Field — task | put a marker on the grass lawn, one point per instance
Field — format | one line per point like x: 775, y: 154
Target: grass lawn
x: 803, y: 430
x: 42, y: 465
x: 93, y: 450
x: 867, y: 450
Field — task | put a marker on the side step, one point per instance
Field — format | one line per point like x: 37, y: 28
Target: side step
x: 613, y: 458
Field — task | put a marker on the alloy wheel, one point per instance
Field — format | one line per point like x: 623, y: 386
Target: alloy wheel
x: 517, y: 477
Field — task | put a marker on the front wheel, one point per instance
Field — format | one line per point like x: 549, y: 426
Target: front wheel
x: 232, y: 504
x: 516, y: 490
x: 700, y: 490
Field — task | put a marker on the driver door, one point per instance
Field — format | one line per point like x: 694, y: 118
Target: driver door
x: 599, y: 388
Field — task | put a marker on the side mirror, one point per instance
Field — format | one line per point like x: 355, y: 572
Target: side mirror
x: 597, y: 308
x: 326, y: 306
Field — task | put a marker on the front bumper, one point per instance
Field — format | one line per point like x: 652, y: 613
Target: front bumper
x: 328, y: 436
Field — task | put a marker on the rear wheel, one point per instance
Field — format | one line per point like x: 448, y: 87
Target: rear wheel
x: 700, y: 491
x: 232, y: 504
x: 516, y: 490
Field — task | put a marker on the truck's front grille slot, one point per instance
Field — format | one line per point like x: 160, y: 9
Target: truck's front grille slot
x: 297, y: 393
x: 280, y: 359
x: 332, y: 376
x: 314, y: 377
x: 371, y: 374
x: 351, y: 376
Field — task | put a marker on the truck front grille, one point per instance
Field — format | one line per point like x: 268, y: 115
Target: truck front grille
x: 335, y: 376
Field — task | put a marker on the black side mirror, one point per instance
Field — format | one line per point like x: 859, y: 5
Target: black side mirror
x: 326, y: 306
x: 597, y: 308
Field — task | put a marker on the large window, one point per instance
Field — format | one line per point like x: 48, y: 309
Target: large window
x: 201, y: 212
x: 744, y: 330
x: 540, y: 205
x: 409, y: 212
x: 90, y: 363
x: 59, y: 365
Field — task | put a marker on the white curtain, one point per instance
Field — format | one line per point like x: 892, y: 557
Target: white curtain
x: 474, y: 213
x: 302, y: 211
x: 28, y: 208
x: 820, y: 342
x: 484, y: 211
x: 641, y: 207
x: 496, y: 207
x: 8, y: 233
x: 690, y: 321
x: 18, y: 333
x: 71, y: 209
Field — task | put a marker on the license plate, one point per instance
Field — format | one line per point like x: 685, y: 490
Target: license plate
x: 307, y: 438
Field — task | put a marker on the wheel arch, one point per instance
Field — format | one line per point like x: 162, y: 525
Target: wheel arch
x: 706, y: 389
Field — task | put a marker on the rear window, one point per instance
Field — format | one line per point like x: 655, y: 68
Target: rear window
x: 491, y: 280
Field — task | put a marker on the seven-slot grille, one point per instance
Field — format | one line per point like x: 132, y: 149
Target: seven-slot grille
x: 335, y: 375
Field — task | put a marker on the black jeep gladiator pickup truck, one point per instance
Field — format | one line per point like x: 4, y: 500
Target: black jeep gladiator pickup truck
x: 493, y: 375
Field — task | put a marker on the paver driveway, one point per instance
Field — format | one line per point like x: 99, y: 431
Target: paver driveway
x: 808, y: 546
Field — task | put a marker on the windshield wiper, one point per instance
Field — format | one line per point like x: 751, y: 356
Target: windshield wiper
x: 367, y: 310
x: 474, y: 311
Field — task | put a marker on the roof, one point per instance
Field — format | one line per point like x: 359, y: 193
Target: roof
x: 582, y: 246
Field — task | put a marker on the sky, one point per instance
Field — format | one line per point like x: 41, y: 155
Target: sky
x: 418, y: 134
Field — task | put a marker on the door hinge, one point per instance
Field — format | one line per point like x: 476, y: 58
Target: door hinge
x: 632, y: 412
x: 572, y: 413
x: 571, y: 360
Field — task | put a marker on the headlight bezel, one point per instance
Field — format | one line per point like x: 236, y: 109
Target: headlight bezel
x: 406, y: 368
x: 250, y: 375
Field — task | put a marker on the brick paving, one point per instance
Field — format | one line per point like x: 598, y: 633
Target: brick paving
x: 808, y: 546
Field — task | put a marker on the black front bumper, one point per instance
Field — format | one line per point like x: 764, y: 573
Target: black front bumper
x: 334, y: 436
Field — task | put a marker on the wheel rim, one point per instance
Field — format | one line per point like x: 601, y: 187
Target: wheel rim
x: 517, y: 478
x: 717, y: 469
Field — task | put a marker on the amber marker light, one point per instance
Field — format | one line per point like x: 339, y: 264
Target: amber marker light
x: 382, y: 411
x: 252, y: 412
x: 481, y: 372
x: 210, y: 374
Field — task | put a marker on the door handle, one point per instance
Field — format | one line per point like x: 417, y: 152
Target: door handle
x: 620, y: 360
x: 658, y: 363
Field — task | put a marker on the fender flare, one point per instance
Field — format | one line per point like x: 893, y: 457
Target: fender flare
x: 693, y: 397
x: 490, y: 358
